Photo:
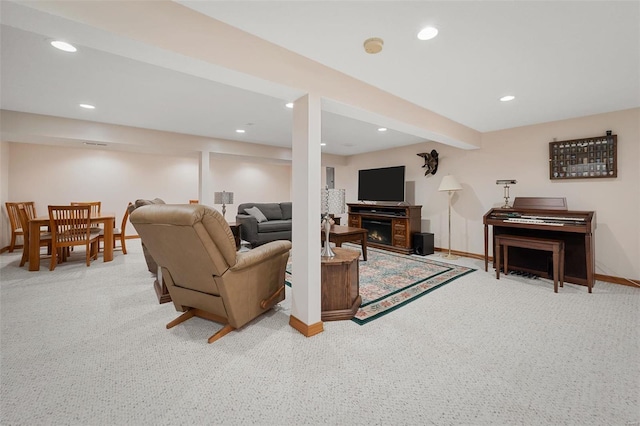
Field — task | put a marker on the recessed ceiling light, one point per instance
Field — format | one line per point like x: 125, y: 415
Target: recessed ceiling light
x: 64, y: 46
x: 323, y: 144
x: 507, y: 98
x: 289, y: 105
x: 382, y: 129
x: 239, y: 131
x: 87, y: 106
x: 427, y: 33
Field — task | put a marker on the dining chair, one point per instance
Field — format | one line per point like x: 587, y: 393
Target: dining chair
x: 96, y: 207
x: 14, y: 219
x: 194, y: 201
x: 118, y: 233
x: 71, y: 226
x: 45, y: 237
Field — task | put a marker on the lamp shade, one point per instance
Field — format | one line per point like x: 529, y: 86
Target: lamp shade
x: 333, y: 201
x: 223, y: 197
x: 449, y: 183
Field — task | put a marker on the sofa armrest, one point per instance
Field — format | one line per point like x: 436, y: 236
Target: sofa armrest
x: 261, y: 254
x: 248, y: 227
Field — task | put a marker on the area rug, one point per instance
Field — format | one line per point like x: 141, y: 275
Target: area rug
x: 389, y: 280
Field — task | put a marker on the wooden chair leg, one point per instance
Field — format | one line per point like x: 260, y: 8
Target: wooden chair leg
x: 54, y: 256
x: 270, y: 301
x: 192, y: 312
x: 182, y: 318
x: 25, y: 256
x: 123, y: 244
x: 12, y: 244
x: 221, y: 333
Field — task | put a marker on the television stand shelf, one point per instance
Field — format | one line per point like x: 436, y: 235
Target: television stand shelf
x: 389, y: 227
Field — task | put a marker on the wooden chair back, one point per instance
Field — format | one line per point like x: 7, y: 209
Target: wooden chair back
x: 119, y: 233
x: 96, y: 206
x: 25, y: 215
x: 71, y: 226
x: 123, y: 228
x: 24, y: 223
x: 14, y: 219
x: 125, y: 218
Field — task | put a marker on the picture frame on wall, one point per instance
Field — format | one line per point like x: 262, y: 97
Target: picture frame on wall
x: 587, y: 158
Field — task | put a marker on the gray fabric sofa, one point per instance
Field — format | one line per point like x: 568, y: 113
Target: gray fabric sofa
x: 276, y: 227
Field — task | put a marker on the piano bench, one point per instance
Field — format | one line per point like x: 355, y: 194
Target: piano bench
x: 556, y: 247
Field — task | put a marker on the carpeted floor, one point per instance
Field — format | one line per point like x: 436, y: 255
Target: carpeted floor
x: 388, y: 281
x: 88, y: 346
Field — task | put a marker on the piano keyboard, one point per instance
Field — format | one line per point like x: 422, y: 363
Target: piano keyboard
x: 532, y: 220
x: 569, y: 219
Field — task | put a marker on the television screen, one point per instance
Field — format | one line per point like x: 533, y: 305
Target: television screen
x: 383, y: 184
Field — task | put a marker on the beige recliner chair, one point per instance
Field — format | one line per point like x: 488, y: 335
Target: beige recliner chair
x: 196, y: 252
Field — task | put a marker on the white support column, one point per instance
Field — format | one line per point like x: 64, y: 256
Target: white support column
x: 306, y: 155
x: 205, y: 184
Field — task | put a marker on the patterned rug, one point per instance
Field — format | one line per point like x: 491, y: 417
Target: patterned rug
x: 389, y: 280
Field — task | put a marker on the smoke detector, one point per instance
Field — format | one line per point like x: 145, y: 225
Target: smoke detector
x: 373, y: 45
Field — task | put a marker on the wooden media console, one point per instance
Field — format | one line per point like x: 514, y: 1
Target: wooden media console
x: 389, y: 227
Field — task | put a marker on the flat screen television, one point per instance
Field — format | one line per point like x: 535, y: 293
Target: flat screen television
x: 382, y: 184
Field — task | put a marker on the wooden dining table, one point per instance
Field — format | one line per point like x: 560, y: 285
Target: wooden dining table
x: 108, y: 219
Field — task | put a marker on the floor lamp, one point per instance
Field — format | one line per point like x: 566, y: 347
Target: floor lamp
x: 451, y: 185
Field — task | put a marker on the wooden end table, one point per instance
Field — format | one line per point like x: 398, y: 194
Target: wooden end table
x: 340, y: 285
x: 235, y: 230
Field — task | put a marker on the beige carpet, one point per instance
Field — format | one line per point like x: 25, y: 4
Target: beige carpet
x: 88, y: 346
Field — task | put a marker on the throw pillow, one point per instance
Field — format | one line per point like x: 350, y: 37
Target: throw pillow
x: 271, y: 211
x: 255, y: 212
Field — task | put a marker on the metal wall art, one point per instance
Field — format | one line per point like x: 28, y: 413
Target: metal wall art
x: 430, y: 162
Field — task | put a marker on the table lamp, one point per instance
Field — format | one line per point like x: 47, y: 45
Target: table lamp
x: 451, y: 185
x: 506, y: 183
x: 333, y: 202
x: 223, y: 198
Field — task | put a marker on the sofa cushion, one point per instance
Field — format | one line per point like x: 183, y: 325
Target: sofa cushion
x: 274, y: 226
x: 141, y: 202
x: 255, y: 212
x: 287, y: 210
x: 271, y: 211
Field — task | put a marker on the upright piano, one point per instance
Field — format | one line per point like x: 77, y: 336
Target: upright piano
x: 545, y: 217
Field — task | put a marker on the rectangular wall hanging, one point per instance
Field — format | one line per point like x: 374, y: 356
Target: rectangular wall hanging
x: 595, y: 157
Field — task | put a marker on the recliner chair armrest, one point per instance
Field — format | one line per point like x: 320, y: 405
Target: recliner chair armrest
x: 260, y: 254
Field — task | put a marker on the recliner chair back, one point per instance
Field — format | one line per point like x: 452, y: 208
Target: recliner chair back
x: 195, y: 244
x: 196, y: 251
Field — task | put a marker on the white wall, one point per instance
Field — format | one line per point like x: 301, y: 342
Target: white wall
x: 522, y: 154
x: 250, y: 181
x: 49, y: 174
x: 59, y: 175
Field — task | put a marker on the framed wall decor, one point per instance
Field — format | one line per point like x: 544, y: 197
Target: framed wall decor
x: 595, y: 157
